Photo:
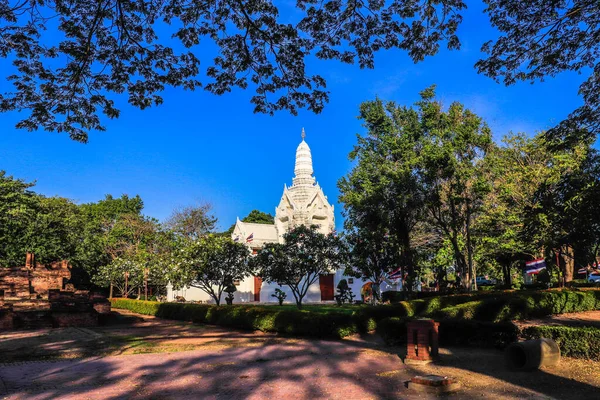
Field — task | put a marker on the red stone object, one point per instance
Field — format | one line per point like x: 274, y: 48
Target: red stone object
x: 433, y: 384
x: 422, y: 340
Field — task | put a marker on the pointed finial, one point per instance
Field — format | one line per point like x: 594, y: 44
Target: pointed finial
x: 303, y: 134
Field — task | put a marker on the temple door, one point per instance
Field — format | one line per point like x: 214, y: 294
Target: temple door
x: 326, y: 285
x: 257, y: 286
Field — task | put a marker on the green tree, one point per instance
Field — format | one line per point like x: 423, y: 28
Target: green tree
x: 256, y: 217
x: 515, y: 170
x: 381, y: 195
x: 210, y: 263
x: 564, y: 219
x: 98, y: 221
x: 29, y: 222
x: 454, y: 144
x: 298, y: 262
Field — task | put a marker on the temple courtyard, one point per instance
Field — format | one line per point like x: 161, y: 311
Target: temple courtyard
x: 145, y: 357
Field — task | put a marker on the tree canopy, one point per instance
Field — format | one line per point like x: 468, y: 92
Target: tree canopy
x: 298, y: 262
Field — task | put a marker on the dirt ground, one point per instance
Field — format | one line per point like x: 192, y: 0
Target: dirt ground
x: 585, y: 318
x: 145, y: 357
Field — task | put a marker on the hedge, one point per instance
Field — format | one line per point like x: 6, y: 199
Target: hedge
x: 483, y: 308
x: 454, y: 332
x: 578, y: 342
x: 266, y: 319
x: 512, y: 306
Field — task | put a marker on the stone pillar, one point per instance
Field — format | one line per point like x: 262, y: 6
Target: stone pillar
x: 30, y: 260
x: 422, y: 340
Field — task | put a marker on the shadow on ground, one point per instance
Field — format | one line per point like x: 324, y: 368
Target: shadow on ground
x: 230, y: 364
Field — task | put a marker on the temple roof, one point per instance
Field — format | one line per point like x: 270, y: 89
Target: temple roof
x: 261, y: 232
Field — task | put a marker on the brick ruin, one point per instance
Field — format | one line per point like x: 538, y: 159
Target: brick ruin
x: 38, y: 295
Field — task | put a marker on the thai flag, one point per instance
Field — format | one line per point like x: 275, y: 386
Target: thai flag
x: 250, y: 238
x: 582, y: 270
x: 237, y: 239
x: 534, y: 267
x: 397, y: 274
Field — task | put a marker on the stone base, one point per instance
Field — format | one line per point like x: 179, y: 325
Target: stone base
x: 433, y: 384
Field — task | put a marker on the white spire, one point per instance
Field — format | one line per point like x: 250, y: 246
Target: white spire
x: 303, y: 168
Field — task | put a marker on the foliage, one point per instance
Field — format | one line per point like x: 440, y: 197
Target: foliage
x: 230, y: 290
x: 292, y: 322
x: 540, y: 39
x: 298, y: 262
x: 453, y: 332
x: 103, y: 225
x: 210, y: 263
x: 516, y: 171
x: 578, y: 342
x: 388, y: 320
x: 29, y: 222
x: 344, y: 293
x: 280, y: 295
x: 259, y: 217
x: 192, y: 222
x: 381, y: 195
x: 113, y: 47
x: 255, y: 217
x: 415, y: 165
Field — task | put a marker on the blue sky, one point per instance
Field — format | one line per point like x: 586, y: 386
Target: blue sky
x: 198, y: 147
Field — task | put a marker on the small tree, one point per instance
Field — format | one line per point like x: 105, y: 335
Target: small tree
x: 230, y: 290
x: 345, y: 294
x: 298, y: 262
x: 280, y: 295
x: 209, y: 263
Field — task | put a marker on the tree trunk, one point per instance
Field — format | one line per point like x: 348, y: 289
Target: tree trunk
x: 407, y: 256
x: 568, y: 262
x: 472, y: 282
x: 110, y: 293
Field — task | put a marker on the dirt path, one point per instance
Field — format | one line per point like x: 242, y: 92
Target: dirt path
x: 585, y: 318
x: 227, y: 364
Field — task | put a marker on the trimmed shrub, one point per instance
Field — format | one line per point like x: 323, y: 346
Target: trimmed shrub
x: 454, y: 332
x: 578, y: 342
x: 326, y: 323
x: 477, y: 333
x: 392, y: 330
x: 266, y: 319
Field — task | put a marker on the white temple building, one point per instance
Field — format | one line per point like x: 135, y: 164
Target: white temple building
x: 303, y: 203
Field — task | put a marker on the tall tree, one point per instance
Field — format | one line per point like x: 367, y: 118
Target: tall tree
x: 455, y: 142
x: 381, y: 195
x: 298, y: 262
x: 29, y: 222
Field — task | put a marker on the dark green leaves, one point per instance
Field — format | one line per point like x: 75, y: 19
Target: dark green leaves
x: 66, y: 81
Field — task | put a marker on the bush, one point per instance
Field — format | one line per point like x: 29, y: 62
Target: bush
x: 578, y: 342
x: 266, y: 319
x: 482, y: 308
x: 454, y: 332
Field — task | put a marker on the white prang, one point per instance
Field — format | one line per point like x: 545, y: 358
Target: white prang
x: 303, y: 203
